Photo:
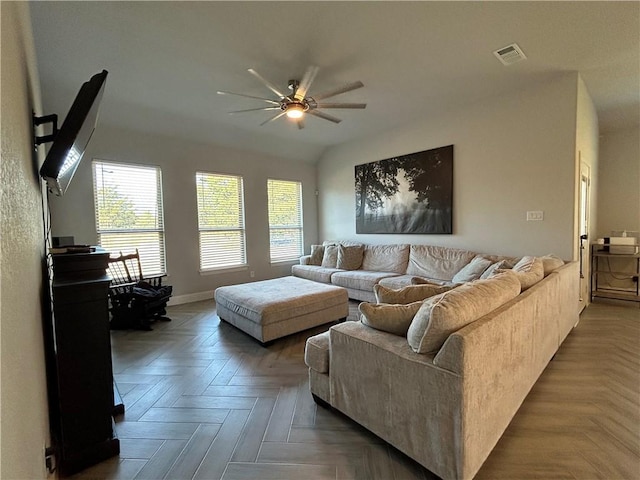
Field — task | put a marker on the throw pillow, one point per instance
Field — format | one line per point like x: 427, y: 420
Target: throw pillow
x: 440, y: 316
x: 317, y: 253
x: 350, y: 256
x: 490, y: 272
x: 408, y: 294
x: 472, y: 270
x: 550, y: 262
x: 388, y: 318
x: 330, y: 257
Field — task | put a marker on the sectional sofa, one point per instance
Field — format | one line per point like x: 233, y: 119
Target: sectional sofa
x: 358, y: 267
x: 440, y: 378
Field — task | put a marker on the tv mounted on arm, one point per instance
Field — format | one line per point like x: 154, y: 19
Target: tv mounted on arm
x: 70, y: 142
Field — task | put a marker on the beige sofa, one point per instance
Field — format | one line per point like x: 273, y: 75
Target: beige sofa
x: 393, y: 266
x: 448, y: 408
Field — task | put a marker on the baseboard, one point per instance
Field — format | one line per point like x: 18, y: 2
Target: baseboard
x: 191, y: 297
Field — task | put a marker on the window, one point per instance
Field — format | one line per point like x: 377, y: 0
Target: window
x: 285, y: 219
x: 128, y: 200
x: 220, y: 221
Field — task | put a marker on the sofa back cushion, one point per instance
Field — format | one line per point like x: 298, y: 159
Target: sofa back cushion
x: 385, y: 258
x: 408, y: 294
x: 439, y: 263
x: 530, y: 270
x: 448, y: 312
x: 550, y: 262
x: 388, y: 317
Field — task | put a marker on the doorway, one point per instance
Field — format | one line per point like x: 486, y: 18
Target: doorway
x: 583, y: 235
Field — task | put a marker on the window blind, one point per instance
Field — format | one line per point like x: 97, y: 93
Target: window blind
x: 129, y: 212
x: 285, y: 219
x: 220, y: 221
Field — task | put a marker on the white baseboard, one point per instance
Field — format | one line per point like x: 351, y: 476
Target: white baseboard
x: 191, y: 297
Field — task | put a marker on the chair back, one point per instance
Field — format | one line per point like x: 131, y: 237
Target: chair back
x: 125, y: 268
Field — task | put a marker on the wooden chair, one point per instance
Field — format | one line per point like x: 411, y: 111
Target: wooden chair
x: 136, y: 300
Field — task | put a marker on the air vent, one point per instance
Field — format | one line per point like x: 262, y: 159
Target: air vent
x: 510, y: 54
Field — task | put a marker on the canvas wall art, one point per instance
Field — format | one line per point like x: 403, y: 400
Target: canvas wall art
x: 407, y: 194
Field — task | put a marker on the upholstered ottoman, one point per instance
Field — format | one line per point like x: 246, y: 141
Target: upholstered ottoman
x: 275, y: 308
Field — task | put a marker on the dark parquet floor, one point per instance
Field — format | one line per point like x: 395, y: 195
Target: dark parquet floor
x: 205, y: 401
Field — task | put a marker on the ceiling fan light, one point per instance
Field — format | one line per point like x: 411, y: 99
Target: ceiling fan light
x: 295, y: 110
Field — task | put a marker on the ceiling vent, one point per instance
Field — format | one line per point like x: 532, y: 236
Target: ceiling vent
x: 510, y: 54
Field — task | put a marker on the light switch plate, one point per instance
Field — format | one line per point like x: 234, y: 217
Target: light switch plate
x: 535, y: 215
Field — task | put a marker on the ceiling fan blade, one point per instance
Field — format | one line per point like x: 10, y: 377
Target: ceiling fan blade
x: 305, y: 83
x: 324, y: 115
x: 273, y: 118
x: 338, y: 91
x: 255, y: 109
x: 300, y: 123
x: 268, y: 100
x: 267, y: 83
x: 341, y: 105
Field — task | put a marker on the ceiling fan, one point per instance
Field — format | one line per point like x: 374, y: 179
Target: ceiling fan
x: 297, y: 103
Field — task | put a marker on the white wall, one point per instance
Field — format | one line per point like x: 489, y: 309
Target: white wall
x: 23, y: 397
x: 511, y: 154
x: 74, y: 214
x: 619, y: 175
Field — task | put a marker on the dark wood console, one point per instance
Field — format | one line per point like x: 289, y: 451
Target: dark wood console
x: 83, y: 403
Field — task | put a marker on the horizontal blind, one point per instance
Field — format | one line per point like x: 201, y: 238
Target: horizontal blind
x: 220, y: 220
x: 285, y: 219
x: 129, y: 212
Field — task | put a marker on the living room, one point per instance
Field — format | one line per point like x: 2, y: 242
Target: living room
x: 514, y: 152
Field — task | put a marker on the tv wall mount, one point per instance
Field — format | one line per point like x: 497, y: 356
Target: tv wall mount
x: 37, y: 121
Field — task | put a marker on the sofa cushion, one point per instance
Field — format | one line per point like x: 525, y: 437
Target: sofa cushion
x: 448, y: 312
x: 408, y: 294
x: 317, y: 254
x: 316, y: 352
x: 330, y: 257
x: 530, y: 270
x: 550, y: 262
x: 313, y: 272
x: 472, y: 270
x: 423, y: 281
x: 350, y: 256
x: 390, y: 318
x: 386, y: 258
x: 359, y: 279
x: 439, y: 263
x: 489, y: 272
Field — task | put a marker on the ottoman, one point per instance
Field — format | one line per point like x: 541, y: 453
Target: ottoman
x: 274, y: 308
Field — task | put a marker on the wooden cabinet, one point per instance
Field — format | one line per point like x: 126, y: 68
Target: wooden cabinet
x: 83, y: 393
x: 606, y: 266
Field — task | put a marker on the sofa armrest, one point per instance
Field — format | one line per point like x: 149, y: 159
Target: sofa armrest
x: 305, y: 260
x: 378, y: 381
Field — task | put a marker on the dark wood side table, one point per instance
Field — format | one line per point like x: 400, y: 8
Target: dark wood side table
x: 82, y: 423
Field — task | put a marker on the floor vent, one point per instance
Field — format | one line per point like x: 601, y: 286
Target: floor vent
x: 510, y: 54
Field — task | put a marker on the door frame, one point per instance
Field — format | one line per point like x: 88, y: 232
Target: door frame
x: 584, y: 236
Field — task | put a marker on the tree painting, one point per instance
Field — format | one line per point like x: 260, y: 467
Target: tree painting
x: 407, y: 194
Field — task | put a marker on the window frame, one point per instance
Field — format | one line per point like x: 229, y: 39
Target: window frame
x: 243, y: 264
x: 160, y: 224
x: 300, y: 226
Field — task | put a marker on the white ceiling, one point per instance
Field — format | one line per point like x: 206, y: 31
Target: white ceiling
x: 166, y: 60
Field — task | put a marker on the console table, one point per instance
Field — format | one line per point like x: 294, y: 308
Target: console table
x: 601, y: 266
x: 83, y: 389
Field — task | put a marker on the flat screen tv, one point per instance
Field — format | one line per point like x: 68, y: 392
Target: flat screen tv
x: 70, y: 142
